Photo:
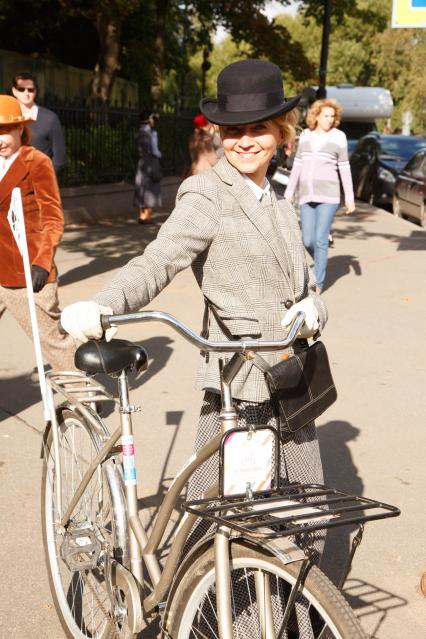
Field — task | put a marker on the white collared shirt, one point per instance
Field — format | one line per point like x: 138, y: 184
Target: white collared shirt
x: 33, y: 112
x: 258, y: 190
x: 6, y: 163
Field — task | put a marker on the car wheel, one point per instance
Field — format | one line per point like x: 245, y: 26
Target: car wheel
x: 423, y: 215
x: 369, y: 193
x: 396, y: 206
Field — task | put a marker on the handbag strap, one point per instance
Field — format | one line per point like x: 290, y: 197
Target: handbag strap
x: 261, y: 363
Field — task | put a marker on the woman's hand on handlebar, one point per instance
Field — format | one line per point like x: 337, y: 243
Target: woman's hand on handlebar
x: 82, y: 320
x: 311, y: 325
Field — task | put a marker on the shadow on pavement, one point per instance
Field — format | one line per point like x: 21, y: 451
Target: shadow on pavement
x: 371, y: 603
x: 150, y: 504
x: 339, y: 472
x: 415, y: 241
x: 13, y: 402
x: 109, y: 245
x: 339, y: 266
x: 159, y: 352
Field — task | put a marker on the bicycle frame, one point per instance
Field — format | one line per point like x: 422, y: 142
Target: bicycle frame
x: 142, y: 547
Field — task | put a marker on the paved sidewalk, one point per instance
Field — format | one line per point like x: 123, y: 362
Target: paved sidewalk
x: 372, y: 440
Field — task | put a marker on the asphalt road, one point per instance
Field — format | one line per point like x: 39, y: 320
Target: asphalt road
x: 372, y: 440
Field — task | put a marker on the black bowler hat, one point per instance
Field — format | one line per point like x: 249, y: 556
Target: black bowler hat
x: 247, y: 91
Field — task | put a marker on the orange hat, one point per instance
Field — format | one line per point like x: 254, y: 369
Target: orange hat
x: 10, y: 111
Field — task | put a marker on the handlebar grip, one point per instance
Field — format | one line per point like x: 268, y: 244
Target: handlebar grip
x: 105, y: 322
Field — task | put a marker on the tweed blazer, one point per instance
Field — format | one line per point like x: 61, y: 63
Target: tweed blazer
x: 248, y: 260
x: 33, y: 173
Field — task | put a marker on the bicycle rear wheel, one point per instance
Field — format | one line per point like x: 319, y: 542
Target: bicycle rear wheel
x: 320, y: 611
x: 76, y: 559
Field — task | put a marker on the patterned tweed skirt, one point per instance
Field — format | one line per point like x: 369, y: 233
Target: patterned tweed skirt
x: 299, y: 452
x: 300, y: 461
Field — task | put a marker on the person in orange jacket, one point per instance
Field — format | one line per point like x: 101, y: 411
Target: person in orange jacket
x: 21, y: 165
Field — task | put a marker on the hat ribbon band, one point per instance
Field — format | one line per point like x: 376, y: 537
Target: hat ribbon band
x: 250, y: 101
x: 7, y: 119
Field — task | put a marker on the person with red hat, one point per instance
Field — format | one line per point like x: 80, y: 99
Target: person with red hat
x: 22, y: 166
x: 203, y: 145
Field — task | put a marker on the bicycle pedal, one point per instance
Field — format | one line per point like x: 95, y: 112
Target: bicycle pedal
x: 80, y: 549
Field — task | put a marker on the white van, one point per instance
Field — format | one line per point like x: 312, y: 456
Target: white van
x: 362, y: 104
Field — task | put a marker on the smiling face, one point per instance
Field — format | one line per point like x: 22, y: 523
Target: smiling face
x: 325, y: 119
x: 250, y: 147
x: 10, y: 140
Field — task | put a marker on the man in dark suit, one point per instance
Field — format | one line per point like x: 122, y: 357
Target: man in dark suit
x: 46, y: 131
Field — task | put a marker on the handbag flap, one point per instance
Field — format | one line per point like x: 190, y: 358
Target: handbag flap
x: 304, y: 366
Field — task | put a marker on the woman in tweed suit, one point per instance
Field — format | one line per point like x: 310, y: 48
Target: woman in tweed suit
x: 247, y: 256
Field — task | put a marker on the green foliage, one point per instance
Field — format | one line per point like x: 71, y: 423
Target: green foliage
x: 105, y: 151
x: 399, y: 58
x: 99, y: 154
x: 365, y: 51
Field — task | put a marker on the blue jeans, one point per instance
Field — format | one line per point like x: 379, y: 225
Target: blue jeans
x: 316, y: 219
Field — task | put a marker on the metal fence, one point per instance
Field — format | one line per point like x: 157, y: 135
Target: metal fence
x: 101, y: 144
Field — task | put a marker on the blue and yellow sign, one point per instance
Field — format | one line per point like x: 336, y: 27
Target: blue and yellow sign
x: 409, y: 13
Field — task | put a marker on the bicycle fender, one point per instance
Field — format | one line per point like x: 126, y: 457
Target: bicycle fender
x: 281, y: 547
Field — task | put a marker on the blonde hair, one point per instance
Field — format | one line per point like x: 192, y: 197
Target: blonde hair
x: 316, y: 108
x: 287, y: 123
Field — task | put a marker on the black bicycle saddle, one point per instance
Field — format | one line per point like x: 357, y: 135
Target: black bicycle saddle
x: 110, y: 357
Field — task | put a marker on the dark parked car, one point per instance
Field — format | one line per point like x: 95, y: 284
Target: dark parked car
x: 409, y: 197
x: 354, y: 131
x: 377, y: 160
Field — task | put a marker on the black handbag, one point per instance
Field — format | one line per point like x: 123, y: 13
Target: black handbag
x: 301, y: 387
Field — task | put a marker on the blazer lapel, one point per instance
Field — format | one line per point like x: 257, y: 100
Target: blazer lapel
x: 266, y: 225
x: 12, y: 178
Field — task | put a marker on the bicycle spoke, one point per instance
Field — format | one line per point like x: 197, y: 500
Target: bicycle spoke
x: 84, y: 594
x: 214, y: 636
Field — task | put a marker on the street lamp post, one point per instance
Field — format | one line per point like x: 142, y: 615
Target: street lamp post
x: 322, y: 92
x: 204, y: 68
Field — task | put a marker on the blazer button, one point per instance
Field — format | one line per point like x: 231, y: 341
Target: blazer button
x: 288, y: 304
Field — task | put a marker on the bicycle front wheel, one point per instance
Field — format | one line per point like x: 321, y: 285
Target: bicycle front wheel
x: 76, y: 558
x: 260, y: 589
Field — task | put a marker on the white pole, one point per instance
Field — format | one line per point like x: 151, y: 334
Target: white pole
x: 17, y: 224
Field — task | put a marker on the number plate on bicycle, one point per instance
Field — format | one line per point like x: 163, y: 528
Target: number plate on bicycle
x: 246, y: 461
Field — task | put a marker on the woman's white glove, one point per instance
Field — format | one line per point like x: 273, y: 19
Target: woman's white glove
x: 82, y: 321
x: 311, y: 325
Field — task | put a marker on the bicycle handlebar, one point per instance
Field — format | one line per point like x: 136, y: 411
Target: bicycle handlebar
x: 238, y: 346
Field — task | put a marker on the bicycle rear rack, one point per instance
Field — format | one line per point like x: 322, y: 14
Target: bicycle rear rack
x: 78, y: 388
x: 295, y: 509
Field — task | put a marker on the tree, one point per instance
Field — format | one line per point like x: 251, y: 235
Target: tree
x: 107, y: 16
x: 403, y: 49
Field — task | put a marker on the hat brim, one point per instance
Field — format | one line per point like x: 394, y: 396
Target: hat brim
x: 10, y: 123
x: 209, y: 108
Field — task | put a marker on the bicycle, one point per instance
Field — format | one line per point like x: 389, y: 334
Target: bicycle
x: 246, y: 578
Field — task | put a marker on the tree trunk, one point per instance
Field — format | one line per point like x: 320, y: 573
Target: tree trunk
x: 159, y: 64
x: 109, y: 31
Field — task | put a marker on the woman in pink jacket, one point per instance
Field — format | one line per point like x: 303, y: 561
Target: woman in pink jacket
x: 322, y: 155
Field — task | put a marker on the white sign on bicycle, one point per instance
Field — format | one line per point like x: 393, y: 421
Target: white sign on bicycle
x: 16, y: 221
x: 248, y: 462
